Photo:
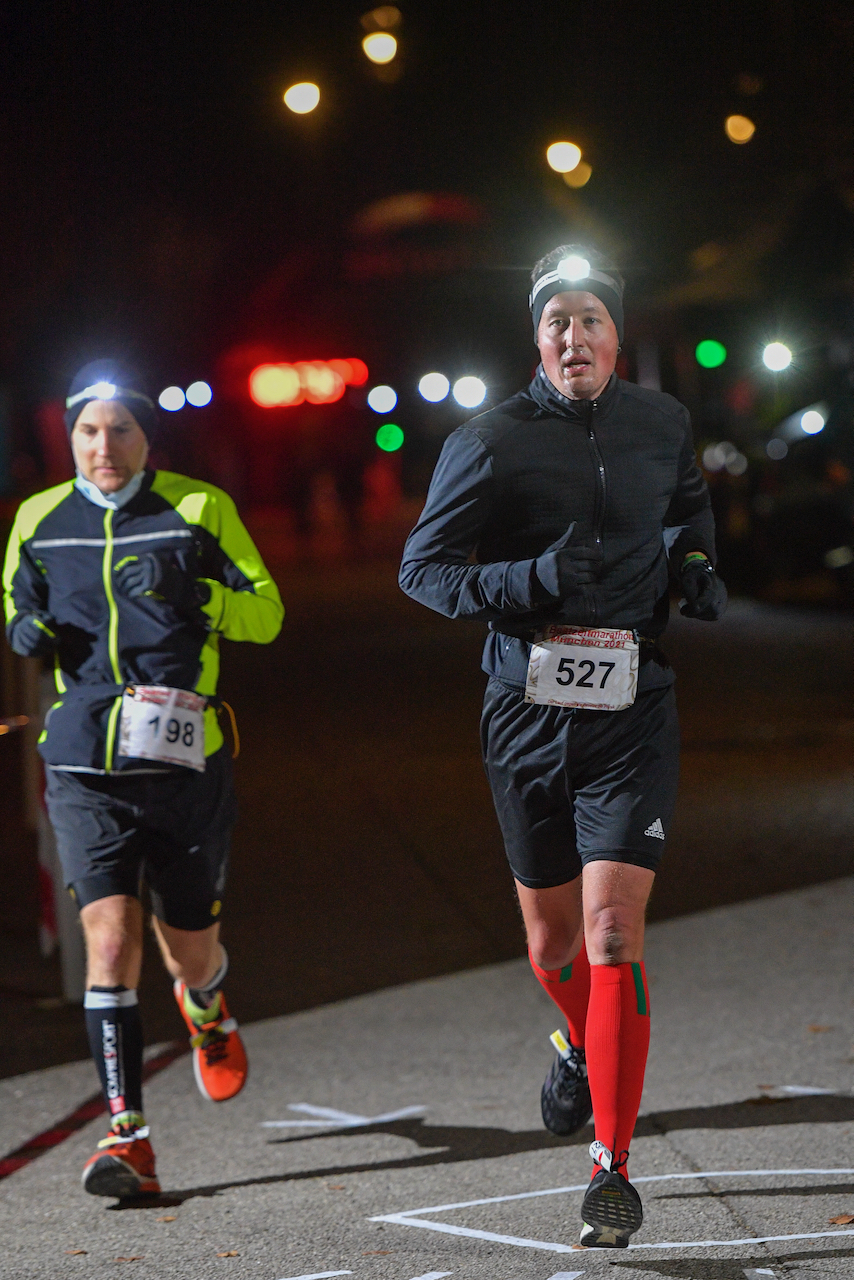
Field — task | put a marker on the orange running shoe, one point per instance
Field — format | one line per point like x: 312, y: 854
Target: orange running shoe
x: 123, y: 1165
x: 219, y: 1058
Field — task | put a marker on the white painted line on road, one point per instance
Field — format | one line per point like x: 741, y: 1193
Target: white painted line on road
x: 412, y: 1217
x: 433, y: 1275
x: 566, y: 1275
x: 801, y: 1091
x: 753, y: 1272
x: 319, y: 1275
x: 329, y: 1117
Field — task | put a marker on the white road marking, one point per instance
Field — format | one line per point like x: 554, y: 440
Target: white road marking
x: 433, y: 1275
x: 753, y: 1272
x: 566, y: 1275
x: 412, y: 1217
x: 319, y: 1275
x: 801, y: 1091
x: 329, y: 1117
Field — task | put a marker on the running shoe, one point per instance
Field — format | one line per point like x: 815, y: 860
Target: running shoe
x: 565, y: 1098
x: 219, y: 1058
x: 123, y: 1165
x: 611, y: 1210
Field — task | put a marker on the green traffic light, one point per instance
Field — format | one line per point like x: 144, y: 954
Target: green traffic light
x: 710, y: 354
x: 389, y: 437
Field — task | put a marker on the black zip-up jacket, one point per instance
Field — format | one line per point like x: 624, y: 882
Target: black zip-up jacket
x: 510, y: 482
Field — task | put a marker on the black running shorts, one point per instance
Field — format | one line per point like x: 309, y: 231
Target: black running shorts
x: 572, y: 787
x: 172, y: 828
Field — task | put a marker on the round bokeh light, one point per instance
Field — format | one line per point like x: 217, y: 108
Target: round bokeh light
x: 171, y: 399
x: 812, y: 422
x: 389, y: 437
x: 469, y: 392
x: 199, y: 394
x: 434, y: 387
x: 302, y: 98
x: 563, y: 157
x: 382, y: 399
x: 710, y: 353
x: 776, y: 357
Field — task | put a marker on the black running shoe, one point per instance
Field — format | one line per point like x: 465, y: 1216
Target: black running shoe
x: 611, y: 1210
x: 565, y: 1098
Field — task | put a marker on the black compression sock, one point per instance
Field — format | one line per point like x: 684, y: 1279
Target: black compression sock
x: 115, y: 1038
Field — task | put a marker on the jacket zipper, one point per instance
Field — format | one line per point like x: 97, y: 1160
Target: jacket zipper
x: 112, y: 639
x: 601, y: 491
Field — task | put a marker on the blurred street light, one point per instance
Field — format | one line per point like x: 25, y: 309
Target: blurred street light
x: 172, y: 399
x: 389, y: 437
x: 563, y: 157
x: 812, y: 422
x: 469, y: 392
x: 739, y: 129
x: 579, y: 176
x: 710, y: 354
x: 434, y: 387
x: 302, y: 98
x: 382, y: 399
x: 380, y: 47
x: 199, y: 394
x: 776, y: 357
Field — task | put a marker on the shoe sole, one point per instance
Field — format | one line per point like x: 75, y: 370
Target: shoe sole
x: 112, y: 1177
x: 610, y: 1214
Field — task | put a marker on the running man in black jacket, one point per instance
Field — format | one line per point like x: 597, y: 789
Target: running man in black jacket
x: 560, y: 518
x: 126, y: 578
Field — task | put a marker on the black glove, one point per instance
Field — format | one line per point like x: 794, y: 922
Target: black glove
x: 33, y: 635
x: 562, y: 568
x: 162, y: 578
x: 705, y: 594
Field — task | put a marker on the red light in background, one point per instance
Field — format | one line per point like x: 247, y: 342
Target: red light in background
x: 274, y: 386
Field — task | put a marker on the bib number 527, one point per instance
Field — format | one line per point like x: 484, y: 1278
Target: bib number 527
x: 566, y: 672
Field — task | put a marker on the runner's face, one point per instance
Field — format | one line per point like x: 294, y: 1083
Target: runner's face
x: 578, y: 344
x: 108, y: 444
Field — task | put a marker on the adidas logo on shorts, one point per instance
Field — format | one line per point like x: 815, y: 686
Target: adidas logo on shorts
x: 656, y: 830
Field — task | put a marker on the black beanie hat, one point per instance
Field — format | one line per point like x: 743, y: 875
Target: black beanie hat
x: 576, y: 272
x: 111, y: 380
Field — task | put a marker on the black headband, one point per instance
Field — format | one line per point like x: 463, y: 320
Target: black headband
x: 601, y: 285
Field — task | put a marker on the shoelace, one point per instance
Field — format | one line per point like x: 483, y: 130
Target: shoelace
x: 121, y: 1136
x: 212, y: 1039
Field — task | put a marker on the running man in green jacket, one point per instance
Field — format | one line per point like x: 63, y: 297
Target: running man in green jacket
x: 126, y: 578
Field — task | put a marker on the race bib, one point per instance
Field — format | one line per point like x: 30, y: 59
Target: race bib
x: 159, y: 723
x: 586, y: 667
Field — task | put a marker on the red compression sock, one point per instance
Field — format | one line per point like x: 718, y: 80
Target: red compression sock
x: 570, y: 989
x: 617, y: 1047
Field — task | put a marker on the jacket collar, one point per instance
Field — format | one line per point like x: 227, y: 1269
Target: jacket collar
x: 114, y: 501
x: 553, y: 401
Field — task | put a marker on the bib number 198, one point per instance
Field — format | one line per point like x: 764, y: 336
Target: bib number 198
x: 159, y: 723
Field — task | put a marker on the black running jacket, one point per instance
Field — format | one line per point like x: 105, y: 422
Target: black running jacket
x: 510, y: 482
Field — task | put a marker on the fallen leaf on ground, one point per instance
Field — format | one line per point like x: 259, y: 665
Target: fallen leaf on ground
x: 232, y: 1253
x: 169, y: 1218
x: 335, y: 1187
x: 376, y: 1253
x: 134, y: 1257
x: 842, y: 1219
x: 75, y: 1251
x: 816, y: 1027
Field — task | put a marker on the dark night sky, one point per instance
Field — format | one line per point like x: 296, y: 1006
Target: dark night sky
x: 153, y: 177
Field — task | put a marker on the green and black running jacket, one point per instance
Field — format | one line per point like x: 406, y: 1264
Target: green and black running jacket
x: 61, y: 560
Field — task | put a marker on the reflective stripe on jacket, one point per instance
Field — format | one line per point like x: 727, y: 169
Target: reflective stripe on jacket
x: 61, y: 560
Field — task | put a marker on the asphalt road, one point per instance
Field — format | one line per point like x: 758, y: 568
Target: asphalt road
x: 367, y: 853
x: 397, y: 1135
